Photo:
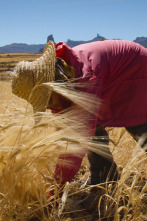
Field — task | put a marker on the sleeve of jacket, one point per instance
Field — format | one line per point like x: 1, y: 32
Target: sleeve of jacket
x: 67, y: 167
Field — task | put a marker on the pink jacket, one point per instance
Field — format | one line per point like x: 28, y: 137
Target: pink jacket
x: 118, y: 71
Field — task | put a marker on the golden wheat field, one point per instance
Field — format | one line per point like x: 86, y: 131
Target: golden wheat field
x: 29, y: 153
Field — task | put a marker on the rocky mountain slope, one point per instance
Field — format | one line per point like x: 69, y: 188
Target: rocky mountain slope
x: 34, y: 48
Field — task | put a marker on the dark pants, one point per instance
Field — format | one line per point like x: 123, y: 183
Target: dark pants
x: 138, y: 132
x: 102, y: 168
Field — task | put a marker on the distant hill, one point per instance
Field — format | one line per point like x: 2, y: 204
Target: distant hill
x: 141, y: 40
x: 72, y: 43
x: 38, y: 48
x: 21, y: 48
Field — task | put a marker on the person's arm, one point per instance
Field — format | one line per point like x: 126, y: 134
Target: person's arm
x: 67, y: 167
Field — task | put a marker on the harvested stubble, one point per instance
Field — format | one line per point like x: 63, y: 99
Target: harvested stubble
x: 29, y: 152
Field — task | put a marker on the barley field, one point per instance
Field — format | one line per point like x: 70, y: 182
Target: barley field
x: 9, y: 61
x: 29, y: 153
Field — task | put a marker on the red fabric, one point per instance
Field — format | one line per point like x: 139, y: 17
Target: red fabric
x: 67, y: 168
x: 118, y: 70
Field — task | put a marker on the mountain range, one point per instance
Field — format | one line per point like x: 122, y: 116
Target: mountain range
x: 38, y: 48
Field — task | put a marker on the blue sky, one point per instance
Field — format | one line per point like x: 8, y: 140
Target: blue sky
x: 31, y: 21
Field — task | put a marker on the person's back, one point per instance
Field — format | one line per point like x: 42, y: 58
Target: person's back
x: 120, y: 67
x: 112, y: 56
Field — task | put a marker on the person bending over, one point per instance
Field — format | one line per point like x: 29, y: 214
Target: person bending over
x: 115, y: 71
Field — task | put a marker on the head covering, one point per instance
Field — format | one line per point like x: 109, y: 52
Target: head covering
x: 28, y: 78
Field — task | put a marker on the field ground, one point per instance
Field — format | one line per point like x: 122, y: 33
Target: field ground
x: 8, y: 62
x: 129, y: 201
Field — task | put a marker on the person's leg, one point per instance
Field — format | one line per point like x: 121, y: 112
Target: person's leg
x: 100, y: 166
x: 139, y: 132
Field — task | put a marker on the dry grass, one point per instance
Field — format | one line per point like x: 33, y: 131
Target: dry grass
x: 9, y: 61
x: 29, y: 153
